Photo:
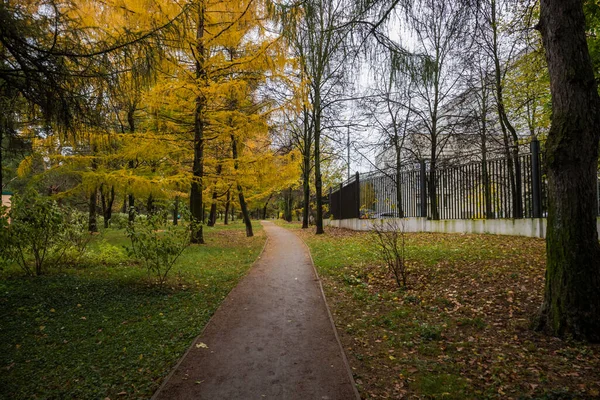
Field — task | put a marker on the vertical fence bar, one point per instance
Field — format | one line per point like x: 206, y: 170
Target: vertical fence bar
x: 357, y: 208
x: 423, y: 187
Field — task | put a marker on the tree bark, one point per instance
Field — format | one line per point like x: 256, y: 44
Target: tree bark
x: 264, y: 213
x: 511, y: 145
x: 240, y: 190
x: 287, y: 205
x: 227, y: 202
x: 196, y: 206
x: 92, y: 223
x: 318, y: 179
x: 212, y: 216
x: 307, y: 144
x: 107, y: 204
x: 571, y: 306
x: 176, y: 211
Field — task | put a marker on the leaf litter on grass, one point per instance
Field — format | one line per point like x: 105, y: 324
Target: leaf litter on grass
x: 461, y: 329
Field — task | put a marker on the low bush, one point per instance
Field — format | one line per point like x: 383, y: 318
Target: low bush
x: 41, y: 233
x: 119, y: 220
x: 157, y: 244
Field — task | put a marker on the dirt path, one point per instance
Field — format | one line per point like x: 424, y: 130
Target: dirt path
x: 272, y: 338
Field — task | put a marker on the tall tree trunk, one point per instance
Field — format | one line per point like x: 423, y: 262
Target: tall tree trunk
x: 176, y: 211
x: 287, y: 206
x: 92, y: 224
x: 487, y: 187
x: 240, y: 190
x: 245, y: 214
x: 433, y: 182
x: 227, y: 202
x: 571, y: 304
x: 212, y: 218
x: 398, y: 149
x: 307, y: 145
x: 318, y: 179
x: 264, y: 213
x: 124, y: 208
x: 131, y: 165
x: 107, y: 204
x: 511, y: 139
x: 196, y: 204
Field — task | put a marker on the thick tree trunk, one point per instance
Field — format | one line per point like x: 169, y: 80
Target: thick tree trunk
x: 176, y: 211
x: 92, y: 223
x: 196, y: 205
x: 245, y: 214
x: 107, y: 204
x: 571, y: 306
x: 212, y: 216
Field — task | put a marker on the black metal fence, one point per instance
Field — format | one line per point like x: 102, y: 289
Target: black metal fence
x: 513, y: 187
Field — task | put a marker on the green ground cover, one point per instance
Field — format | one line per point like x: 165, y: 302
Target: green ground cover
x: 102, y: 329
x: 461, y: 330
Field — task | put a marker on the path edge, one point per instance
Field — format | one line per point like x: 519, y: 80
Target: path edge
x: 191, y: 347
x: 337, y: 337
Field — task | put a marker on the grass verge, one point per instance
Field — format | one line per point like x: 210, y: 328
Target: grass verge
x: 461, y: 329
x: 102, y: 330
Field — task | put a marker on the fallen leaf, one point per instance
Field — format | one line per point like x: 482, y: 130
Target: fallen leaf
x: 201, y: 345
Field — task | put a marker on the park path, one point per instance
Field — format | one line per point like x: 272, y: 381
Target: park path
x: 272, y: 338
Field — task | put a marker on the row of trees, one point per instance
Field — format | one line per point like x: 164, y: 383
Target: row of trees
x: 163, y: 99
x: 168, y: 102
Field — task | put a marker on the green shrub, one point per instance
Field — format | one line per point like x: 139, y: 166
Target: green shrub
x: 157, y: 244
x: 41, y: 233
x: 119, y: 220
x: 108, y: 254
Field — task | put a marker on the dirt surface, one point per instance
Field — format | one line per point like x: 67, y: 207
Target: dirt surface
x: 272, y: 338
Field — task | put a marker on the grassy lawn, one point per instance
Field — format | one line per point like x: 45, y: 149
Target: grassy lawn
x: 102, y: 330
x: 461, y: 329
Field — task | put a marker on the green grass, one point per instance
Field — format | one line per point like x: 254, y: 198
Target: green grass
x: 103, y: 329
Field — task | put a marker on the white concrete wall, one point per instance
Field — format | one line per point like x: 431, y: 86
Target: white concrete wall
x: 531, y: 227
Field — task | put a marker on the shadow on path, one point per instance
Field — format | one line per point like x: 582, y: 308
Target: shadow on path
x: 272, y: 338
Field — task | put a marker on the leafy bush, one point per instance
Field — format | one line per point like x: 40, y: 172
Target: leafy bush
x: 108, y: 254
x: 157, y: 243
x: 119, y: 220
x: 41, y: 233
